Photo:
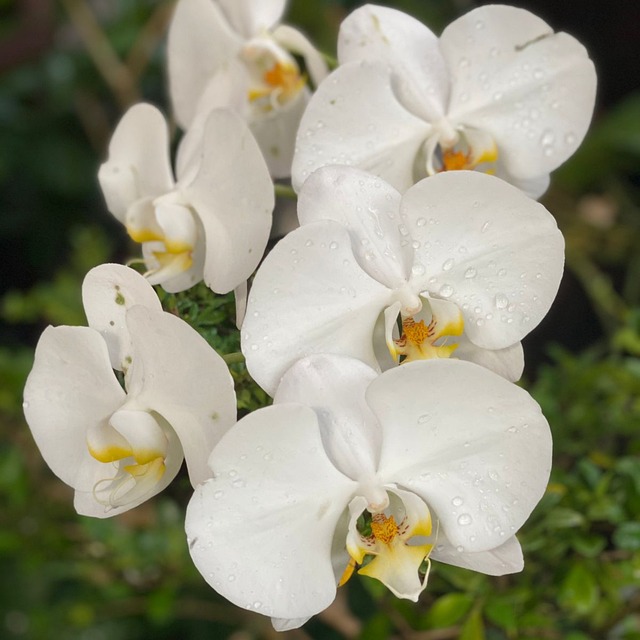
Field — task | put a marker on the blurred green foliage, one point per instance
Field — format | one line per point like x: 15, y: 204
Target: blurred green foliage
x: 130, y: 578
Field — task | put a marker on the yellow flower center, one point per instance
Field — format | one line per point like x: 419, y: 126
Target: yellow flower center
x: 280, y: 83
x: 384, y: 529
x: 418, y: 340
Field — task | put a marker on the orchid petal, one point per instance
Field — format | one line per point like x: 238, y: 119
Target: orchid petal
x: 334, y: 387
x: 480, y: 459
x: 531, y: 89
x: 240, y: 294
x: 355, y: 118
x: 174, y: 271
x: 142, y: 432
x: 487, y: 247
x: 108, y: 291
x: 507, y: 558
x: 179, y: 229
x: 107, y: 490
x: 419, y: 73
x: 179, y: 376
x: 71, y: 389
x: 507, y: 362
x: 200, y: 43
x: 232, y: 194
x: 275, y: 132
x: 138, y: 165
x: 253, y: 17
x: 369, y: 209
x: 310, y: 296
x: 262, y: 529
x: 296, y: 42
x: 534, y: 187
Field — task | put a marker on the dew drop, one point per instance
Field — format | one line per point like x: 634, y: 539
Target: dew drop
x: 464, y: 519
x: 463, y: 63
x: 420, y: 222
x: 457, y: 501
x: 239, y: 483
x: 459, y: 548
x: 333, y: 245
x: 501, y: 301
x: 424, y: 418
x: 418, y: 269
x: 470, y: 273
x: 446, y: 291
x: 448, y: 264
x: 570, y: 138
x: 217, y: 495
x: 485, y: 227
x: 547, y: 138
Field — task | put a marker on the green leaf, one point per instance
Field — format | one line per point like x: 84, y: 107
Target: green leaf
x: 627, y: 536
x: 448, y: 610
x: 474, y: 627
x: 563, y: 518
x: 579, y: 591
x: 502, y: 613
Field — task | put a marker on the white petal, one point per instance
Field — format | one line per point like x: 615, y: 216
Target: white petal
x: 252, y: 17
x: 370, y: 209
x: 507, y: 558
x: 108, y: 291
x: 472, y: 445
x: 286, y: 624
x: 240, y: 294
x: 232, y: 194
x: 532, y: 90
x: 138, y: 165
x: 355, y: 118
x: 179, y: 229
x: 179, y: 376
x: 534, y: 187
x: 200, y: 43
x: 70, y: 390
x: 334, y: 387
x: 420, y: 75
x: 296, y: 42
x: 276, y: 131
x: 142, y: 432
x: 261, y: 530
x: 310, y: 296
x: 507, y: 362
x: 93, y: 489
x: 487, y: 247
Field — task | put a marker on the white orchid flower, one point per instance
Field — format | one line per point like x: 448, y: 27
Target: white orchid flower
x: 462, y: 257
x: 234, y: 53
x: 118, y: 445
x: 499, y: 91
x: 212, y: 223
x: 437, y: 460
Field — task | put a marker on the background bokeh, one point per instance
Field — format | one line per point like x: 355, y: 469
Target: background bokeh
x: 68, y: 70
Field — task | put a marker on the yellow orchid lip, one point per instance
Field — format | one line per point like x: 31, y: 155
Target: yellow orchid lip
x: 418, y: 340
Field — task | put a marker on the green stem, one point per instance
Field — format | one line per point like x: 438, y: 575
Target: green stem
x: 332, y: 62
x: 607, y: 303
x: 285, y: 191
x: 233, y: 358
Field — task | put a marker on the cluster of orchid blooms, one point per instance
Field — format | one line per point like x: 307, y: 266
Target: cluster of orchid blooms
x: 387, y: 327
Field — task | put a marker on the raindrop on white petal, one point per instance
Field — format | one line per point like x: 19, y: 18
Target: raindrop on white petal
x: 418, y: 269
x: 448, y: 264
x: 333, y: 245
x: 464, y: 519
x: 470, y: 273
x: 459, y: 548
x: 501, y: 301
x: 446, y: 291
x: 420, y: 222
x: 547, y: 138
x: 457, y: 501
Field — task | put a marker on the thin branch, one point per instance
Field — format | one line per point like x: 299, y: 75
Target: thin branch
x: 115, y: 73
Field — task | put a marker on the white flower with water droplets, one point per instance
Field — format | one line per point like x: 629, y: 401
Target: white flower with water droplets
x: 119, y: 441
x: 234, y: 53
x: 350, y: 470
x: 499, y: 91
x: 469, y: 263
x: 212, y: 223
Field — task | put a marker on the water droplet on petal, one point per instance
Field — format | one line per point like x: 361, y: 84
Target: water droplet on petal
x: 457, y: 501
x: 470, y: 273
x: 464, y: 519
x: 446, y: 291
x: 448, y: 264
x: 501, y: 301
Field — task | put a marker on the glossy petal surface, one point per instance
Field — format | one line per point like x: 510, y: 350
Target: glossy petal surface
x: 262, y: 529
x: 472, y: 445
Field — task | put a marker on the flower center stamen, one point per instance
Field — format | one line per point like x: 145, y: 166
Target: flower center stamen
x: 418, y: 340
